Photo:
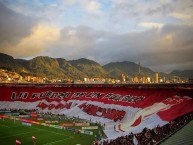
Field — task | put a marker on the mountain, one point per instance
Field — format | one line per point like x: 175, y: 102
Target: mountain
x: 89, y: 67
x: 184, y: 73
x: 23, y: 62
x: 59, y: 68
x: 115, y: 69
x: 46, y: 66
x: 51, y: 68
x: 7, y: 62
x: 69, y: 70
x: 43, y: 66
x: 54, y: 68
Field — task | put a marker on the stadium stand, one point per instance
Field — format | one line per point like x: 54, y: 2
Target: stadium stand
x: 156, y: 135
x: 130, y: 114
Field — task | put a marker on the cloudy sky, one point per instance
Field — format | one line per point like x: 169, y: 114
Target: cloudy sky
x: 157, y: 33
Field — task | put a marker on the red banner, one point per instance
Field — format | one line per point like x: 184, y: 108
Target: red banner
x: 124, y: 96
x: 129, y: 106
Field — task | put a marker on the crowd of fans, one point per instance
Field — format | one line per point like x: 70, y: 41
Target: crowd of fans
x: 149, y: 136
x: 146, y: 137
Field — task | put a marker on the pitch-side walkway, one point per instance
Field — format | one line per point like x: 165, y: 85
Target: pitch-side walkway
x: 183, y: 137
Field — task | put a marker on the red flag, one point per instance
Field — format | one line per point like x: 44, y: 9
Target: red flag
x: 17, y: 142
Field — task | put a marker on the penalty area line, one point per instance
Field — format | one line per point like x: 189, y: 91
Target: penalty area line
x: 50, y: 143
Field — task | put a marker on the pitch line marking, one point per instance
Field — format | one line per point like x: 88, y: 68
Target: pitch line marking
x: 18, y: 134
x: 48, y: 131
x: 50, y: 143
x: 44, y: 130
x: 37, y: 131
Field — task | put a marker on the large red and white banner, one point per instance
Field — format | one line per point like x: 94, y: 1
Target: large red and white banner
x: 120, y: 109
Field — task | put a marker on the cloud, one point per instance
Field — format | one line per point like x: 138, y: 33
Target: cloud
x: 181, y: 16
x: 93, y: 7
x: 42, y: 38
x: 164, y: 49
x: 151, y: 25
x: 141, y: 10
x: 135, y: 9
x: 75, y: 42
x: 90, y: 6
x: 173, y: 49
x: 48, y: 13
x: 14, y: 26
x: 70, y: 2
x: 160, y: 49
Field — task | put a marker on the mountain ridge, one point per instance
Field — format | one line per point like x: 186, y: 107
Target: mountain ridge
x: 127, y: 68
x: 46, y: 66
x: 182, y: 73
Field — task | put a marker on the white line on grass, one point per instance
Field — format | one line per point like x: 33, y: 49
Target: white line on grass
x: 42, y: 129
x: 50, y: 143
x: 48, y: 131
x: 18, y: 134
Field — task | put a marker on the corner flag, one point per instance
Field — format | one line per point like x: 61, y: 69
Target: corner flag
x: 34, y: 139
x: 17, y: 142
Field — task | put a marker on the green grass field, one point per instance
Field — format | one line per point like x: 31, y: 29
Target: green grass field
x: 10, y: 131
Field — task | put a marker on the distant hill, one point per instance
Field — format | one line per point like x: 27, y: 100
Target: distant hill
x: 7, y: 62
x: 115, y: 69
x: 184, y: 73
x: 89, y: 67
x: 60, y: 68
x: 46, y: 66
x: 43, y: 66
x: 53, y: 67
x: 23, y: 62
x: 69, y: 70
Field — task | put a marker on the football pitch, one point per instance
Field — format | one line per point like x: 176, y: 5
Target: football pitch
x: 10, y: 131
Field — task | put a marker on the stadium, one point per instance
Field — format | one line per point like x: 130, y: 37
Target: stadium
x: 94, y: 114
x: 96, y: 72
